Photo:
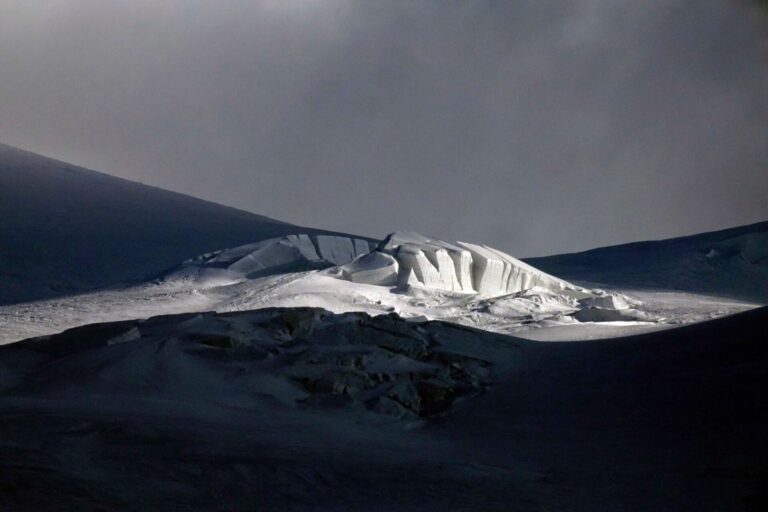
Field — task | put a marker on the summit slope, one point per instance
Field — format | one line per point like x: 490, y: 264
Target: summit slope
x: 66, y: 229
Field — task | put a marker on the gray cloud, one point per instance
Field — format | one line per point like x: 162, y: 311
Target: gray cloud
x: 534, y: 126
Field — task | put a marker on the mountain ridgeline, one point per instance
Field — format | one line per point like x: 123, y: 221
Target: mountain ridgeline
x: 66, y: 229
x: 728, y: 263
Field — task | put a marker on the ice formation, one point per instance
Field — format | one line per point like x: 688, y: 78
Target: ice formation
x: 374, y: 268
x: 290, y: 253
x: 406, y: 273
x: 461, y: 267
x: 430, y: 263
x: 403, y: 260
x: 339, y: 249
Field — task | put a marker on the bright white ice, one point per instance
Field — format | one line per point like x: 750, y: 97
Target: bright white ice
x: 408, y: 274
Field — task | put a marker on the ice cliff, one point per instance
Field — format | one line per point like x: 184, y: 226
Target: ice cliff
x: 292, y: 253
x: 403, y: 260
x: 411, y: 259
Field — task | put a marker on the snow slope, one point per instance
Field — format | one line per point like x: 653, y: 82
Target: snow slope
x: 66, y: 229
x: 301, y: 409
x: 282, y: 255
x: 418, y: 278
x: 729, y: 263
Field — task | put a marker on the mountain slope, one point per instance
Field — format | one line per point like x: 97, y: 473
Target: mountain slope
x: 730, y: 263
x: 301, y: 409
x: 66, y: 229
x: 410, y: 274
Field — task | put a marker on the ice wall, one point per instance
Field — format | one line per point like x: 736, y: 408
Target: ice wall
x: 495, y: 272
x: 428, y: 262
x: 340, y: 250
x: 402, y: 259
x: 290, y: 253
x: 460, y: 267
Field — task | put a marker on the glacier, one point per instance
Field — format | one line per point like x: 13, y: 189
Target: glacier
x: 403, y: 260
x: 291, y: 253
x: 412, y: 275
x: 417, y: 260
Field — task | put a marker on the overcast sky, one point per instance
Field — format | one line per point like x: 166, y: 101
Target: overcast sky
x: 534, y: 126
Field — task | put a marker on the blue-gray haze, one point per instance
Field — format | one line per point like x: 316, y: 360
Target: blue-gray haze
x: 535, y: 126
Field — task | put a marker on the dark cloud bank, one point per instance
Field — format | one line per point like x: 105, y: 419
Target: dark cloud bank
x: 531, y: 125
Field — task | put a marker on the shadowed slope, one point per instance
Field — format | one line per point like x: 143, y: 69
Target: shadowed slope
x: 729, y: 263
x: 304, y: 410
x: 66, y: 229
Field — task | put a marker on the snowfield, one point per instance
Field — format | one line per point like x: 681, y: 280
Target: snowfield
x: 407, y: 274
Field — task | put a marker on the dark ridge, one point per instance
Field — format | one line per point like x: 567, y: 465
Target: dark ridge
x: 671, y: 420
x: 729, y: 263
x: 66, y: 229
